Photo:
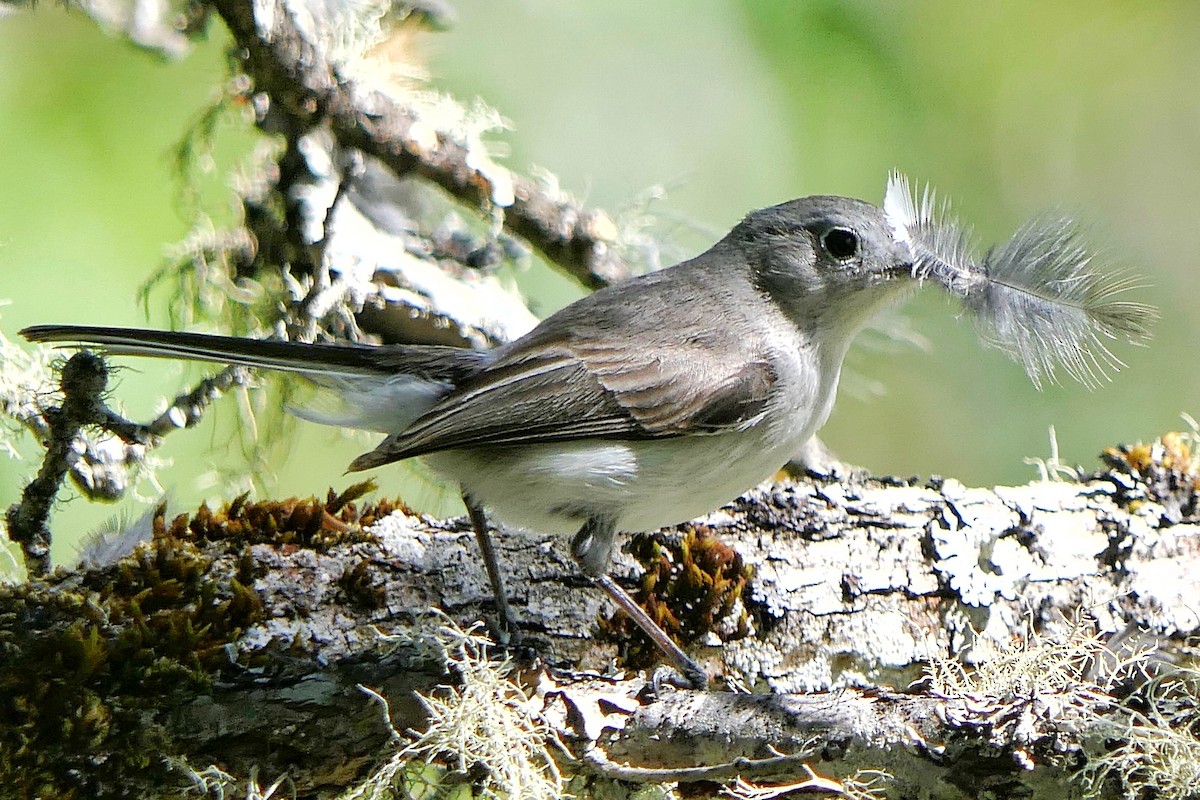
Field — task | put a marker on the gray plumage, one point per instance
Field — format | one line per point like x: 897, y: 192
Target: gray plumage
x: 643, y: 404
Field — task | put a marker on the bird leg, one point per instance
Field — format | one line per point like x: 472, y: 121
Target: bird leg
x: 592, y: 547
x: 509, y: 632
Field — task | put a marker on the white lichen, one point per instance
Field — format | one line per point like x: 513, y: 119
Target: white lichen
x: 486, y: 722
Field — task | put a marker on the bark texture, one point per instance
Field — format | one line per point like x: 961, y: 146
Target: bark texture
x: 240, y: 639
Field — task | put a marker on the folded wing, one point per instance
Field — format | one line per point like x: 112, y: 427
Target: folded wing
x: 588, y: 391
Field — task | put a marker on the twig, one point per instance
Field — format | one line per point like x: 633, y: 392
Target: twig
x: 853, y: 788
x: 187, y: 408
x: 293, y: 73
x: 70, y: 449
x: 597, y: 760
x: 84, y: 378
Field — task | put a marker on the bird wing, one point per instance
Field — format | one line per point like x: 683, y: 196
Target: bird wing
x: 589, y: 390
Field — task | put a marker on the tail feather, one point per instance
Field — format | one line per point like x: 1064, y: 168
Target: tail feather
x: 427, y: 362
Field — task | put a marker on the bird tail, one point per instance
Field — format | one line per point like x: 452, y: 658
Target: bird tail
x: 266, y: 354
x: 375, y: 388
x: 430, y: 362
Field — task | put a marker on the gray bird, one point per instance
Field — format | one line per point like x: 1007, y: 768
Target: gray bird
x: 643, y: 405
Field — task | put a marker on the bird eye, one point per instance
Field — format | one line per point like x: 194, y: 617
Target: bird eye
x: 841, y: 243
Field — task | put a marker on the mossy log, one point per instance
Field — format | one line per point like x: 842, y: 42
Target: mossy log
x: 238, y: 640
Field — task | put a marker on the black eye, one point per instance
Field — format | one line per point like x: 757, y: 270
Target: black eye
x: 841, y: 243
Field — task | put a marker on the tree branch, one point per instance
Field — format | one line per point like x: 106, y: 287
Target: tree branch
x: 84, y: 379
x: 239, y: 639
x: 294, y: 74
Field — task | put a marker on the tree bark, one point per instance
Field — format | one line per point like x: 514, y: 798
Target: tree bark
x: 239, y: 640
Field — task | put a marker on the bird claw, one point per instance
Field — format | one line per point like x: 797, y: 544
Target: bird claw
x: 687, y: 678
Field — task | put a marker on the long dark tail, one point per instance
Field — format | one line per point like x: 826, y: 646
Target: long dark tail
x: 428, y: 362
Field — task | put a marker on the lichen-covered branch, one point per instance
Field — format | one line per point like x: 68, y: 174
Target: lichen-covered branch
x: 84, y: 379
x: 292, y: 72
x: 239, y: 638
x: 97, y: 447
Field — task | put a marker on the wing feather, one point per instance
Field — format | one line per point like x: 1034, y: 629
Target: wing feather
x: 576, y: 376
x: 561, y: 394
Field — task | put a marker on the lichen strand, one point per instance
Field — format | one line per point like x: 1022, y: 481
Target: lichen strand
x: 692, y: 587
x: 85, y: 656
x: 1166, y: 471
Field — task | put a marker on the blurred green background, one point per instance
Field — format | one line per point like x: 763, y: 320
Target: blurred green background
x: 1010, y: 109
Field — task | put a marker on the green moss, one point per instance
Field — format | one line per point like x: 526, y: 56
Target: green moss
x: 691, y: 586
x: 85, y: 657
x: 1165, y: 471
x: 362, y: 586
x: 309, y: 522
